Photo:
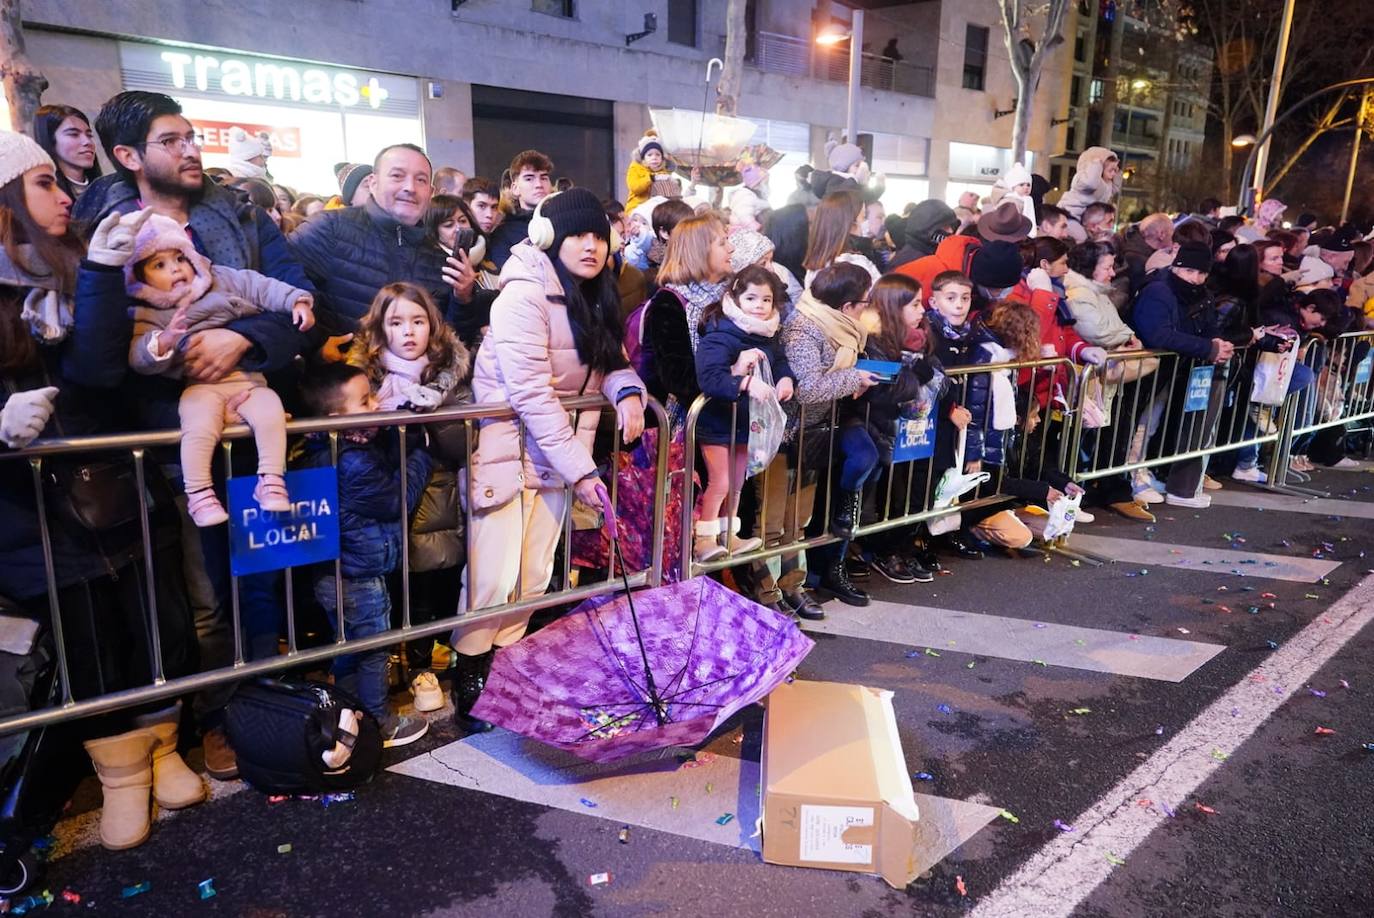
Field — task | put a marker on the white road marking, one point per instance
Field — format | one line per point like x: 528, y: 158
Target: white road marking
x: 948, y: 631
x: 1066, y: 871
x: 655, y: 792
x: 1206, y: 560
x: 1322, y: 506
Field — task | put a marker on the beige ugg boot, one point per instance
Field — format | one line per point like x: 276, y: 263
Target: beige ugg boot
x: 125, y: 766
x: 706, y: 545
x: 175, y: 785
x: 740, y: 546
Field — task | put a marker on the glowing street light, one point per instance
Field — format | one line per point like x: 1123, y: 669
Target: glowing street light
x: 832, y: 36
x: 1244, y: 140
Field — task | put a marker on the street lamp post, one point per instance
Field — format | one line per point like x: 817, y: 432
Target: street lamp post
x: 856, y: 43
x: 1355, y: 152
x: 1272, y: 107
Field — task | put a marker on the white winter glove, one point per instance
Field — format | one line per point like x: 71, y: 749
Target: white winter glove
x: 1093, y: 355
x: 113, y: 242
x: 1039, y: 279
x: 25, y: 415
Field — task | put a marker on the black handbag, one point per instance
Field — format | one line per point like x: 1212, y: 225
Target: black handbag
x: 280, y: 731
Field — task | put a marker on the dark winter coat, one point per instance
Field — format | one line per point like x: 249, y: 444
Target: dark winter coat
x: 370, y: 498
x: 720, y: 346
x: 1163, y: 321
x: 962, y: 347
x: 510, y: 232
x: 669, y: 368
x: 353, y: 252
x: 880, y: 407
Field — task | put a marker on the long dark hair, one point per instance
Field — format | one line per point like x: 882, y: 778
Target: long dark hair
x: 788, y: 229
x: 441, y: 208
x: 889, y: 295
x: 1240, y: 273
x: 60, y: 256
x: 46, y: 121
x: 593, y: 312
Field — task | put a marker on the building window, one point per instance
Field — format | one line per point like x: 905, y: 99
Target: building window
x: 1076, y: 91
x: 564, y: 8
x: 1096, y: 91
x: 1078, y: 48
x: 682, y: 22
x: 975, y: 56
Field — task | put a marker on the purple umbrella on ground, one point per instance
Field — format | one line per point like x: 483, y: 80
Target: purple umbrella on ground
x: 621, y: 675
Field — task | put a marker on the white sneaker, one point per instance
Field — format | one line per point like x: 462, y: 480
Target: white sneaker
x: 428, y: 695
x: 1346, y: 463
x: 1082, y: 516
x: 1149, y: 496
x: 1251, y: 474
x: 1201, y: 502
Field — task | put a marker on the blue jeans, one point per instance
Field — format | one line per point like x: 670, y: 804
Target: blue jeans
x: 367, y: 611
x: 860, y: 457
x: 1247, y: 457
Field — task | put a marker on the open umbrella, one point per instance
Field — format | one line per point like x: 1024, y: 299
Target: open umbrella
x: 626, y: 674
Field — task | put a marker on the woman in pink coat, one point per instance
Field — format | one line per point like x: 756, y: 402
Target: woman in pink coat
x: 555, y: 332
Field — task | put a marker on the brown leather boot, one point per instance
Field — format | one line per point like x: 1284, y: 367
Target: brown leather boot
x: 220, y: 761
x: 124, y: 764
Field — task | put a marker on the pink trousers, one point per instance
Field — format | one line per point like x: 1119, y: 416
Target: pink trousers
x: 204, y: 410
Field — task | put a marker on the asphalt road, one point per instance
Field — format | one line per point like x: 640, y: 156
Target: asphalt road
x: 1289, y: 832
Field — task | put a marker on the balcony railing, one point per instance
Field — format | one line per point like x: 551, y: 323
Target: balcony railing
x: 787, y: 54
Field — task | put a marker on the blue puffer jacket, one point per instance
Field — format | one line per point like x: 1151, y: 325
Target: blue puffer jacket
x: 353, y: 252
x: 1165, y: 321
x: 370, y: 498
x: 720, y: 346
x: 962, y: 346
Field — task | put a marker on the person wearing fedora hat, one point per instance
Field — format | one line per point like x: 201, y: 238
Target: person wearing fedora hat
x: 1005, y: 223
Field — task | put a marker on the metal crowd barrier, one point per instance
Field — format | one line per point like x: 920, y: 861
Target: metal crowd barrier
x: 1341, y: 394
x: 914, y: 491
x: 136, y: 446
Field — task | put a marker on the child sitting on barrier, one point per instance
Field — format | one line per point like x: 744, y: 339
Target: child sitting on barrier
x: 370, y: 508
x: 181, y: 293
x: 415, y: 361
x: 738, y: 335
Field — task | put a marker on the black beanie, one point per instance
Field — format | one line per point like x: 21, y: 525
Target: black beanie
x: 1194, y: 255
x: 574, y: 212
x: 996, y: 265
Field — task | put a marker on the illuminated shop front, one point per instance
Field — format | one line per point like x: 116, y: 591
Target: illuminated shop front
x: 315, y: 114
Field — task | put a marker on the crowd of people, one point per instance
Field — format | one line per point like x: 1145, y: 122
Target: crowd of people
x: 168, y: 295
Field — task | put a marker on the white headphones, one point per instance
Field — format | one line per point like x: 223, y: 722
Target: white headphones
x: 542, y: 233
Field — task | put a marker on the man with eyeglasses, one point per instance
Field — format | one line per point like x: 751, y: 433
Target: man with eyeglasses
x: 156, y: 153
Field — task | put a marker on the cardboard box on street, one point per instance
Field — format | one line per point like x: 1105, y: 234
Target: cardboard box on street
x: 836, y: 792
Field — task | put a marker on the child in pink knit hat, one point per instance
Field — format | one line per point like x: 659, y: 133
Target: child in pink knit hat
x: 181, y: 293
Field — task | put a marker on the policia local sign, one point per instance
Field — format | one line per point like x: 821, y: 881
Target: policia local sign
x: 260, y: 540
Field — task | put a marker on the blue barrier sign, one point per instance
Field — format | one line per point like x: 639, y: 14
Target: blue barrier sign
x: 260, y: 540
x: 1362, y: 370
x: 915, y: 439
x: 1199, y: 389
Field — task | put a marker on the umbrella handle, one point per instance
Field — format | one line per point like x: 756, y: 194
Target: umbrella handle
x: 608, y: 510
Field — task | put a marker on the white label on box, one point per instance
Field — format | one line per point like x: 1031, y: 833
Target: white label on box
x: 822, y: 832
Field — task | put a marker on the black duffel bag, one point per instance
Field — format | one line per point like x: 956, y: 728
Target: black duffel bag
x: 282, y: 730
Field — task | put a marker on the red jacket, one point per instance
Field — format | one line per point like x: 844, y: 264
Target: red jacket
x: 1062, y: 339
x: 955, y: 253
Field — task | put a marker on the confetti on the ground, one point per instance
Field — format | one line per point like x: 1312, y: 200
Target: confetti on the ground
x: 912, y: 653
x: 1159, y: 731
x: 1062, y: 826
x: 598, y: 879
x: 710, y: 787
x: 71, y: 896
x: 284, y: 849
x: 624, y: 835
x: 137, y: 889
x: 970, y: 664
x: 1344, y: 684
x: 590, y: 804
x: 1206, y: 809
x: 1040, y: 663
x: 931, y: 653
x: 1317, y: 692
x: 725, y: 819
x: 1184, y: 631
x: 959, y: 885
x: 1081, y: 643
x: 944, y: 709
x: 1009, y: 816
x: 1041, y: 625
x: 1114, y: 860
x: 1220, y: 756
x: 923, y: 776
x: 1324, y: 731
x: 1310, y: 596
x: 1081, y: 711
x: 342, y: 797
x: 673, y: 801
x: 1367, y: 747
x: 1273, y: 645
x: 207, y: 888
x: 1164, y: 806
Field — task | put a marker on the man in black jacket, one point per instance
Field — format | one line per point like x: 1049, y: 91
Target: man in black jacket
x: 353, y: 252
x: 529, y: 184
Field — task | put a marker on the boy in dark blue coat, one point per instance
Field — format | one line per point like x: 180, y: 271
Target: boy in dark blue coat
x: 369, y: 533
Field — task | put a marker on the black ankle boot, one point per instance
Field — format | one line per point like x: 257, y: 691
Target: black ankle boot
x: 835, y: 581
x: 846, y: 517
x: 468, y: 682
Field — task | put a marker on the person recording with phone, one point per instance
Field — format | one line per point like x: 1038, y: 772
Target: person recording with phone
x: 454, y: 228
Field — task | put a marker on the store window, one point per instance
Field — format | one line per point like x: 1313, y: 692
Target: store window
x: 563, y: 8
x: 975, y: 56
x: 315, y: 115
x: 682, y: 22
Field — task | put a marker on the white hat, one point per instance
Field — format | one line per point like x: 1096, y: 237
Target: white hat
x: 243, y: 147
x: 1310, y: 271
x: 745, y: 204
x: 1016, y: 175
x: 18, y: 154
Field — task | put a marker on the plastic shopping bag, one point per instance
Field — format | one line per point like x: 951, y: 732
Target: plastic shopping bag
x: 1273, y: 373
x: 767, y: 424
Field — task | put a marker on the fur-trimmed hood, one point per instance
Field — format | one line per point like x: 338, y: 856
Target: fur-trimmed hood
x: 160, y: 234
